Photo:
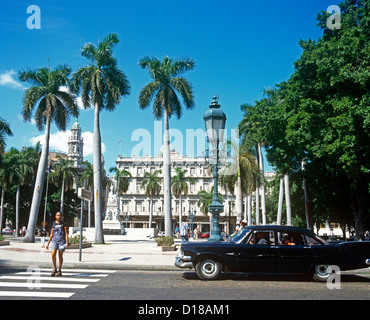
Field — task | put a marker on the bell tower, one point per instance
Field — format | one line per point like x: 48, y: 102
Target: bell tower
x: 75, y: 146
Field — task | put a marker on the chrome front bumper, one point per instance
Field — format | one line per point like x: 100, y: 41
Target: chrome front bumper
x: 368, y: 262
x: 183, y: 262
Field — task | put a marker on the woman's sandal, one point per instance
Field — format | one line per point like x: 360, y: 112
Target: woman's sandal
x: 59, y: 273
x: 54, y: 273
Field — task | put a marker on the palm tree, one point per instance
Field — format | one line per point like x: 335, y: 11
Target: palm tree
x: 53, y: 104
x: 4, y: 131
x: 205, y: 199
x: 65, y: 173
x: 180, y: 186
x: 152, y: 185
x: 33, y: 154
x: 4, y: 182
x: 166, y: 82
x: 20, y: 173
x: 242, y: 174
x: 123, y: 183
x: 102, y: 84
x: 87, y: 179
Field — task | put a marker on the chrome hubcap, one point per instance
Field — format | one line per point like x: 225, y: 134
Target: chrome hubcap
x: 209, y: 267
x: 323, y: 270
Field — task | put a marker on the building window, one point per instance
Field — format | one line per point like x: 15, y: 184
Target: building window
x: 192, y: 187
x: 138, y: 206
x: 125, y: 205
x: 206, y: 186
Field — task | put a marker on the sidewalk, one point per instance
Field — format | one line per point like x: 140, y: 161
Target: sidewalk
x: 118, y: 252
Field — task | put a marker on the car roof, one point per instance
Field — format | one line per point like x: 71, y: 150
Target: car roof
x: 287, y: 229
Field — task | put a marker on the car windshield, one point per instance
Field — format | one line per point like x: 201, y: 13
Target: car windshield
x: 237, y: 238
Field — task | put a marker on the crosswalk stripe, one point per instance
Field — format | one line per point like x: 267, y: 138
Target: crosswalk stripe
x: 36, y: 294
x: 42, y: 285
x: 70, y: 274
x: 38, y: 279
x: 45, y: 278
x: 83, y: 270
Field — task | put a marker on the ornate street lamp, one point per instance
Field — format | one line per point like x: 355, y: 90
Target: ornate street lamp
x: 191, y: 220
x: 215, y: 120
x: 126, y: 217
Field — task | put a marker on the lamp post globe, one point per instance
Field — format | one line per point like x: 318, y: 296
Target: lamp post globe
x: 215, y: 120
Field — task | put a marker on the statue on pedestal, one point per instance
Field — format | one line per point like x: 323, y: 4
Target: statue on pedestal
x: 112, y: 223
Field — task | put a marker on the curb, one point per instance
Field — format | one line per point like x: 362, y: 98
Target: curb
x: 84, y: 265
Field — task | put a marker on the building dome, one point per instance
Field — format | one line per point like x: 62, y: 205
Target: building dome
x: 76, y: 126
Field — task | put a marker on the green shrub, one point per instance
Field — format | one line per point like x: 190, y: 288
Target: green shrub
x: 165, y: 241
x: 75, y: 239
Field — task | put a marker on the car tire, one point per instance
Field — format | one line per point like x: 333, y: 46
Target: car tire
x: 322, y: 272
x: 208, y: 269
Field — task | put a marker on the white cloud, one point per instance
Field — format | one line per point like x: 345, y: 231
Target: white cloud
x: 78, y: 99
x: 7, y: 80
x: 58, y: 142
x: 88, y: 144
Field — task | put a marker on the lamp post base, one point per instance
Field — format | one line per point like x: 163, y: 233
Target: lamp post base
x: 215, y: 209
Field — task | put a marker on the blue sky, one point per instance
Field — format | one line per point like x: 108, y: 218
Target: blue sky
x: 240, y: 47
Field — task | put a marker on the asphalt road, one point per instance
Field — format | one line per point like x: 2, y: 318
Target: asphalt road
x: 133, y: 285
x: 182, y: 286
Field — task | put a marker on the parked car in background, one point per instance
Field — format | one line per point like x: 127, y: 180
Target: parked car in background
x: 204, y: 234
x: 7, y: 231
x: 273, y: 249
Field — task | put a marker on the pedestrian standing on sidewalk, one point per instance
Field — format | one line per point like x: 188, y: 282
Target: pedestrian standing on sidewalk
x: 43, y: 233
x: 184, y: 227
x: 59, y: 242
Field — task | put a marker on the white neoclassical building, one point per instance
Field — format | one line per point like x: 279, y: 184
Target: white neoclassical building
x: 135, y: 205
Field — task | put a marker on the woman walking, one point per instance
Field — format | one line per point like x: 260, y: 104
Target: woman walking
x: 59, y: 242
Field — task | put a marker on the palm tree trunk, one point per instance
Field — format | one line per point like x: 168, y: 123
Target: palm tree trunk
x: 245, y: 217
x: 180, y: 218
x: 39, y: 185
x: 99, y: 238
x: 62, y: 198
x: 239, y: 197
x: 263, y: 200
x: 17, y: 204
x: 257, y: 206
x: 89, y: 217
x: 151, y: 212
x: 307, y: 200
x: 167, y: 178
x: 281, y: 198
x: 287, y: 200
x: 2, y: 208
x: 249, y: 210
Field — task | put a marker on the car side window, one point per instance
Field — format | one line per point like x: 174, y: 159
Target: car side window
x: 292, y: 239
x: 312, y: 241
x: 262, y: 238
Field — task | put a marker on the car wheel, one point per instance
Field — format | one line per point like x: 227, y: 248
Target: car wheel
x: 208, y: 269
x: 322, y: 272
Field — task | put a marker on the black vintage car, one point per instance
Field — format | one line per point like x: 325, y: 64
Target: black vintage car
x: 273, y: 249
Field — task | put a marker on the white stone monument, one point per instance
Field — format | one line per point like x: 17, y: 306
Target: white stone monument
x: 112, y: 223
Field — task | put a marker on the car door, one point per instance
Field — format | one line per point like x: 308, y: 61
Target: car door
x: 253, y: 256
x: 297, y: 258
